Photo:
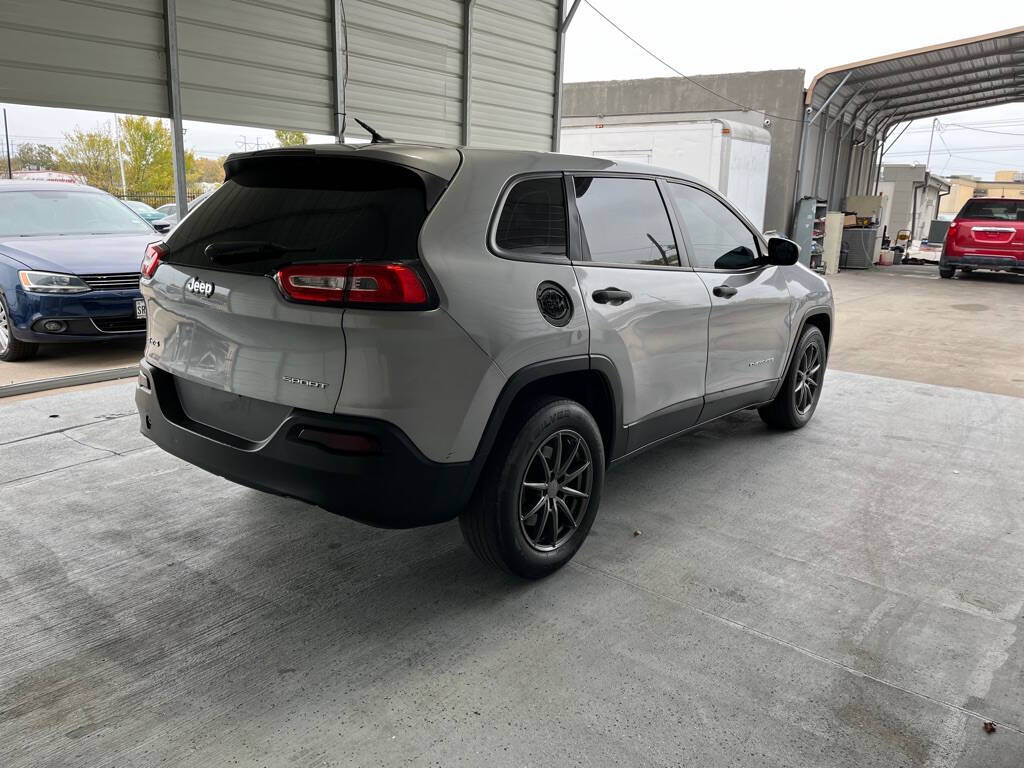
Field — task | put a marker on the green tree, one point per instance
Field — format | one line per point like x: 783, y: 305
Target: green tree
x: 145, y: 147
x: 38, y: 156
x: 210, y: 170
x: 290, y: 138
x: 93, y: 154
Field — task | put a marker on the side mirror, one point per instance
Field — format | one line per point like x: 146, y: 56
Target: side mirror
x: 162, y: 226
x: 782, y: 252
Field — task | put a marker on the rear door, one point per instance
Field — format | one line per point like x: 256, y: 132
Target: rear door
x: 751, y: 312
x: 216, y: 316
x: 648, y: 311
x: 990, y: 228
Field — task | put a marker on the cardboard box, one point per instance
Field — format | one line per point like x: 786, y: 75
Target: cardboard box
x: 850, y: 220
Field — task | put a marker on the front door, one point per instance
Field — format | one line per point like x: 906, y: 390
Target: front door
x: 751, y: 306
x: 648, y: 314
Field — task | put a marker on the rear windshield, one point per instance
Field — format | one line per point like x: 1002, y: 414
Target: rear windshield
x: 288, y: 210
x: 993, y: 210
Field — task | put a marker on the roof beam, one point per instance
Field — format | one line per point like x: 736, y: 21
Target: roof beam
x: 993, y: 101
x: 985, y: 72
x: 987, y: 78
x: 942, y: 99
x: 971, y: 57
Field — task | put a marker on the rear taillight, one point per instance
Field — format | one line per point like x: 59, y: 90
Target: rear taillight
x: 385, y: 286
x: 154, y: 252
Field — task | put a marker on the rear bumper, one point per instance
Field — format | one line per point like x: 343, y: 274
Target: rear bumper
x: 983, y: 262
x: 395, y: 488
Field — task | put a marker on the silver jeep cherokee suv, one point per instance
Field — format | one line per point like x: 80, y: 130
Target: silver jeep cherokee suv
x: 405, y: 334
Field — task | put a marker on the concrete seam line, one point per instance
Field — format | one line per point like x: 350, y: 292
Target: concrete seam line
x: 107, y: 455
x: 74, y: 379
x: 799, y: 648
x: 65, y: 429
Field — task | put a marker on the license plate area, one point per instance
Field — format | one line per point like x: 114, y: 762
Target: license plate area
x: 140, y: 309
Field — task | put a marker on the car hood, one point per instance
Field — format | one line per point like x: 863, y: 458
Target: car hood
x: 81, y: 255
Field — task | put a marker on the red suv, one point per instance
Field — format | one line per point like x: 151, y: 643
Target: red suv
x: 988, y: 233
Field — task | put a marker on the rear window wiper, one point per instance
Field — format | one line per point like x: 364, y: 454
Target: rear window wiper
x: 238, y: 251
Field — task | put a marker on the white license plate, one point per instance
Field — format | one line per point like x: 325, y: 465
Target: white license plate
x: 140, y: 309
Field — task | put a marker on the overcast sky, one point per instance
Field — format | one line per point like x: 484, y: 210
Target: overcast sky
x: 734, y: 36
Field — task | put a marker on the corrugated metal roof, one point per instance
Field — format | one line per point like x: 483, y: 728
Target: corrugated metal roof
x: 980, y: 71
x: 271, y: 63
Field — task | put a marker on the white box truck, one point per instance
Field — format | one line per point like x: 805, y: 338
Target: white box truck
x: 728, y: 155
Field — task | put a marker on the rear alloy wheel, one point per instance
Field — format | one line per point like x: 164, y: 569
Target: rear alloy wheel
x: 538, y: 496
x: 11, y: 349
x: 946, y: 271
x: 794, y: 405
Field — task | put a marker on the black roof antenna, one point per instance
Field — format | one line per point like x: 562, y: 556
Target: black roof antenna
x: 375, y: 138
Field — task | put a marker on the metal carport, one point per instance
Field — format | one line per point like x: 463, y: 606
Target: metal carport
x: 851, y: 110
x: 433, y: 71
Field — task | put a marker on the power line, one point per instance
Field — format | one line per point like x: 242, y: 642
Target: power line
x: 987, y: 130
x: 689, y: 79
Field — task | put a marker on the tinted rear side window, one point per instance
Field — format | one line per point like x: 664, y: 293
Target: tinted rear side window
x: 993, y: 210
x: 305, y: 209
x: 625, y: 221
x: 533, y: 219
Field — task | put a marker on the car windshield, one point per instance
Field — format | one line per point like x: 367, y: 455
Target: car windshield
x: 994, y: 210
x: 135, y: 205
x: 26, y: 213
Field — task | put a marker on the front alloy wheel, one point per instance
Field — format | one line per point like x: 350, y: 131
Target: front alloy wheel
x: 798, y: 396
x: 808, y: 379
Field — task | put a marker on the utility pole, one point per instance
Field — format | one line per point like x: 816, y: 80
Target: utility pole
x: 7, y: 141
x: 120, y: 154
x: 931, y: 138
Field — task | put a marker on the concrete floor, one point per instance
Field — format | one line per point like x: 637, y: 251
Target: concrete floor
x: 55, y: 360
x: 907, y: 323
x: 849, y: 595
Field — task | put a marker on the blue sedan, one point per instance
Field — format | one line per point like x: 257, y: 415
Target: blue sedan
x: 69, y: 267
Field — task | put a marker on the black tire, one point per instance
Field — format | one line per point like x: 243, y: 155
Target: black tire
x: 11, y: 349
x: 946, y: 271
x: 492, y: 524
x: 791, y: 408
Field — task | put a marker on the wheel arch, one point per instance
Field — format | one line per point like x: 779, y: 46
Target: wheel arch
x: 591, y: 380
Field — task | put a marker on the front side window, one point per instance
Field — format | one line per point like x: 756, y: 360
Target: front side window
x: 719, y: 239
x: 625, y: 221
x: 532, y: 220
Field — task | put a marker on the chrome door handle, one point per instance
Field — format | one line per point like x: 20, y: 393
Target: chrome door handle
x: 613, y: 296
x: 724, y: 291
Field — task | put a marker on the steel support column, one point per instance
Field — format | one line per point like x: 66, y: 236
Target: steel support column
x: 339, y: 38
x: 808, y: 121
x: 174, y: 105
x: 563, y: 25
x: 467, y: 71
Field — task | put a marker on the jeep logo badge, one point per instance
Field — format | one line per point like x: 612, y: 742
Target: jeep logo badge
x: 199, y: 287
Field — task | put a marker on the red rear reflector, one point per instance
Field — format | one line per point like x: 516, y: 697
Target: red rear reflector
x: 357, y: 284
x: 342, y: 442
x: 154, y: 252
x: 385, y: 284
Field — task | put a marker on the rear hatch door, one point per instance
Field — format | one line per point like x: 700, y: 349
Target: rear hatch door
x: 217, y: 319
